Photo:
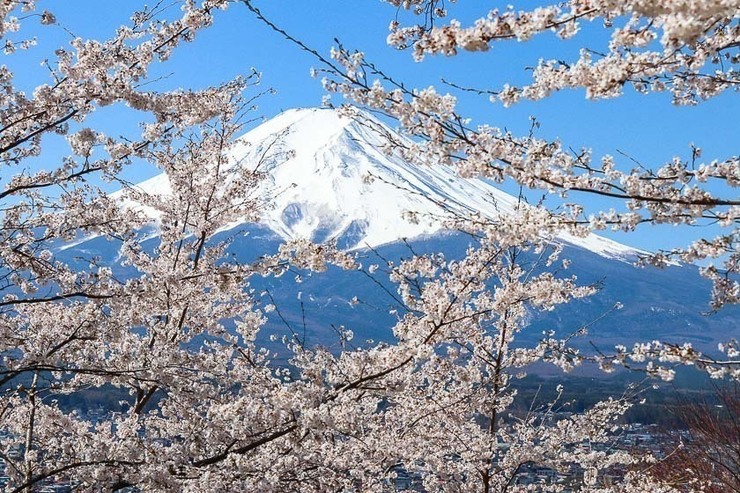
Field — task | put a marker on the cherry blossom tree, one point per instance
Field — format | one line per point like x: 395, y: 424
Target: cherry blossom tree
x: 203, y: 407
x: 686, y: 48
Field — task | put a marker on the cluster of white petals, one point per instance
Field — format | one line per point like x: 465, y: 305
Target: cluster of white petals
x: 687, y: 47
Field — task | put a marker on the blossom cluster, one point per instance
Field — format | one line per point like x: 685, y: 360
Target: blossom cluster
x: 689, y: 48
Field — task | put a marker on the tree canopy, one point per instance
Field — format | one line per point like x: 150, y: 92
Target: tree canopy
x: 202, y: 403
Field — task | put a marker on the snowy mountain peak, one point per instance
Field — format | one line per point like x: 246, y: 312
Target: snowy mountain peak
x: 337, y: 184
x: 328, y: 179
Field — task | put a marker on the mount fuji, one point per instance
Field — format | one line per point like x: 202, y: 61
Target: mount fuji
x: 328, y: 178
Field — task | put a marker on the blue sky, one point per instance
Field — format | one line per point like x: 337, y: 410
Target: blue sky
x: 648, y: 128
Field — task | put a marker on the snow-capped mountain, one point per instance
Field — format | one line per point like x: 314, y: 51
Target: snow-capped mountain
x: 327, y: 178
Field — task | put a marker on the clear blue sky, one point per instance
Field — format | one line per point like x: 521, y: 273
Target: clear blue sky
x: 649, y: 128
